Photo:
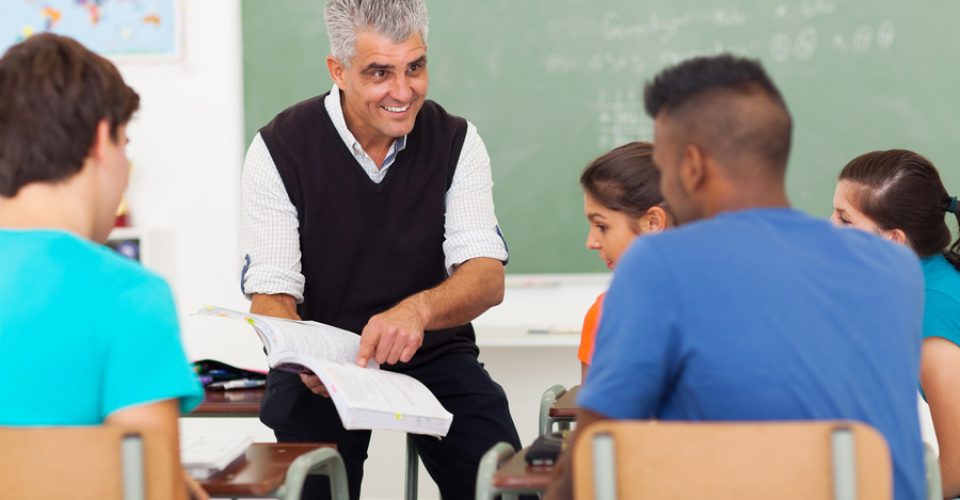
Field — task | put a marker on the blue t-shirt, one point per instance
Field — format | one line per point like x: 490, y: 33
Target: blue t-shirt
x: 84, y: 332
x: 941, y: 314
x: 765, y: 314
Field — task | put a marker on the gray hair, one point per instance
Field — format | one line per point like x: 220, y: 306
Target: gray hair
x: 395, y: 19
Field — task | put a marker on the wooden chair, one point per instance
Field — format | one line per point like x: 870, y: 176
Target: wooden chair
x: 744, y: 461
x: 102, y: 463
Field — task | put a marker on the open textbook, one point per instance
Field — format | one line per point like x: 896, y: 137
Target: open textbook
x: 365, y: 398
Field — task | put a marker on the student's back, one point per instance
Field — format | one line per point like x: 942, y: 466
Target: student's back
x: 751, y: 310
x: 942, y: 312
x: 85, y: 337
x: 772, y: 315
x: 84, y: 332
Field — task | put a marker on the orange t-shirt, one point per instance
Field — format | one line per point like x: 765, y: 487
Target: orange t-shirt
x: 590, y: 323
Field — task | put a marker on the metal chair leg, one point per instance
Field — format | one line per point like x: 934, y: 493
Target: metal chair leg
x: 324, y: 462
x: 489, y: 463
x: 844, y: 462
x: 549, y: 397
x: 932, y: 464
x: 413, y: 469
x: 134, y: 467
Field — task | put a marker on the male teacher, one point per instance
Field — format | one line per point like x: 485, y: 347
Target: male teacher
x: 370, y: 208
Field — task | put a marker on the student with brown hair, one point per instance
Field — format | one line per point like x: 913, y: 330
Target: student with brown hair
x: 90, y: 337
x: 622, y: 200
x: 898, y: 195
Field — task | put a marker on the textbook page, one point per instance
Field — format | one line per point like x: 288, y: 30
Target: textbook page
x: 400, y: 401
x: 365, y: 398
x: 306, y: 337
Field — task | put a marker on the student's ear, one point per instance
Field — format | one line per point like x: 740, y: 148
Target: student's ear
x: 895, y: 235
x: 654, y: 221
x: 336, y: 69
x: 693, y: 168
x: 101, y: 142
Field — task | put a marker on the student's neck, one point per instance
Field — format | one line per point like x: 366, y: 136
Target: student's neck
x: 49, y: 206
x: 746, y: 199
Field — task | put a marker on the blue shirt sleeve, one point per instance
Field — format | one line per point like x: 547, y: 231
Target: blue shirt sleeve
x: 636, y: 352
x: 145, y: 361
x: 941, y: 316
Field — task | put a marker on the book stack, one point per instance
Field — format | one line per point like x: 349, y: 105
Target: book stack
x: 203, y: 455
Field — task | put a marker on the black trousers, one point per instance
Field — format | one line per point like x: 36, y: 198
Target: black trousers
x: 481, y: 418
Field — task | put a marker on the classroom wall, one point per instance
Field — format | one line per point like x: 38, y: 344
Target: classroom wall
x: 186, y: 146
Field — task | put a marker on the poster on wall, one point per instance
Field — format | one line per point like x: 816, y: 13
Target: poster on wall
x: 129, y: 30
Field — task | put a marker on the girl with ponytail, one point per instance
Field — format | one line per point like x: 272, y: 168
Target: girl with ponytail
x: 898, y: 195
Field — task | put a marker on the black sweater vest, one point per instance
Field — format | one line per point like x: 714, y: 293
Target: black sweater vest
x: 366, y: 246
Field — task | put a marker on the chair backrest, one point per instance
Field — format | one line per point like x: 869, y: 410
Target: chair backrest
x: 743, y: 461
x: 103, y: 463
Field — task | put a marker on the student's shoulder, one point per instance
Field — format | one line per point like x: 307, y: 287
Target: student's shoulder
x: 876, y: 246
x: 81, y: 262
x: 682, y: 240
x: 114, y: 272
x: 941, y: 275
x: 880, y: 257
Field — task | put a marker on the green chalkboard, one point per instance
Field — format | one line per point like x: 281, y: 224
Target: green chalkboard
x: 551, y: 84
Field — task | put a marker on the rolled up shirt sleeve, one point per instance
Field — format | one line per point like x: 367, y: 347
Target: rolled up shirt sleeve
x: 269, y: 229
x: 471, y: 228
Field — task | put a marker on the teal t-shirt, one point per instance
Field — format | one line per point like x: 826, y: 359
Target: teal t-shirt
x: 84, y: 332
x: 941, y: 312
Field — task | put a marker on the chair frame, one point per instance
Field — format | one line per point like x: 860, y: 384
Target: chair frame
x: 598, y: 475
x: 547, y: 400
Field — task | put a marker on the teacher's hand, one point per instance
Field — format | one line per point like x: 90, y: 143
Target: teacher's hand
x: 391, y: 336
x: 314, y: 384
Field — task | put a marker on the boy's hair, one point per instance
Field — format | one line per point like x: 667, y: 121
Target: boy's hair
x: 900, y: 189
x: 706, y: 97
x: 53, y: 93
x: 624, y: 179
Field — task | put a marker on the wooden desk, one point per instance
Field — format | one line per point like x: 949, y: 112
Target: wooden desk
x: 566, y: 406
x: 516, y: 475
x: 505, y: 473
x: 261, y: 471
x: 246, y: 403
x: 232, y: 403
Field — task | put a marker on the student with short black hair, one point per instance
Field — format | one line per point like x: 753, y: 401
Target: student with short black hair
x: 898, y: 195
x: 622, y: 200
x: 751, y: 310
x: 87, y: 337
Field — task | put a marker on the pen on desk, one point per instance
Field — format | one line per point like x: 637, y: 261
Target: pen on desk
x: 244, y: 383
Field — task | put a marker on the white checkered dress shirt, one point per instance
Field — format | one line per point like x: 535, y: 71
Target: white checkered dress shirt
x: 269, y: 228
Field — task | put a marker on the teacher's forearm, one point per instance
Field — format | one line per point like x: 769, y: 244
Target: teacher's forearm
x: 279, y: 305
x: 475, y: 286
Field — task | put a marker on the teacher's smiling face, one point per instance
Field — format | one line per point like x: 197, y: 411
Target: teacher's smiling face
x: 383, y: 88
